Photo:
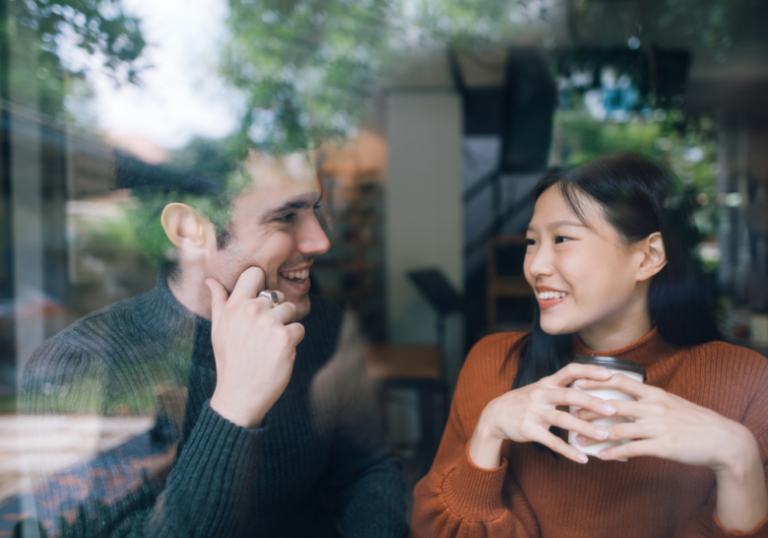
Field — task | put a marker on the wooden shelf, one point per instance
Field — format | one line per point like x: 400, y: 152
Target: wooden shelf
x: 402, y: 361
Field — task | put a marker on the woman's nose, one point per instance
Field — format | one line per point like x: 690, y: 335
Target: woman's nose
x: 539, y: 262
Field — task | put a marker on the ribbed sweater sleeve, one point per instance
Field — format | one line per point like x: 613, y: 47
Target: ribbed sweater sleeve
x: 706, y: 523
x: 457, y: 498
x: 363, y: 479
x: 535, y: 495
x: 209, y: 489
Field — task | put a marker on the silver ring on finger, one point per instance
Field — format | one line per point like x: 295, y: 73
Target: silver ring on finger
x: 271, y: 295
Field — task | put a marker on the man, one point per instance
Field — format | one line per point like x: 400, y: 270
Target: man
x: 280, y: 435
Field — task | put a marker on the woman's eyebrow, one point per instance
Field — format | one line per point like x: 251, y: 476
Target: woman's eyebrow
x: 561, y: 223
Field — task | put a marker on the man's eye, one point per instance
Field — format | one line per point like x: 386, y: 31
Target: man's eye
x: 288, y: 217
x: 561, y: 239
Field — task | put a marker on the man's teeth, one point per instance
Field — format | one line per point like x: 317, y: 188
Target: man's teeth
x: 544, y: 295
x: 298, y: 276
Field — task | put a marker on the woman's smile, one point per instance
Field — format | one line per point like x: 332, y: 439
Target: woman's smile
x: 549, y: 297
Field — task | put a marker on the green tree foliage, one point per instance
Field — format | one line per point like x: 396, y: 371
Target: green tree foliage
x: 473, y: 23
x: 712, y: 25
x: 31, y: 36
x: 306, y: 67
x: 688, y: 148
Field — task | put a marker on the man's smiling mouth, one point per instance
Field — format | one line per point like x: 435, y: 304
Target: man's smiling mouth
x: 297, y: 276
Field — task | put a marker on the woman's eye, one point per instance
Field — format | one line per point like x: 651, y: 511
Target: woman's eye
x: 561, y: 239
x: 317, y: 206
x: 529, y: 241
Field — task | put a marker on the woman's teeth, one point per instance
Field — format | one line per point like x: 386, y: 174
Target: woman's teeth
x: 296, y: 276
x: 544, y: 295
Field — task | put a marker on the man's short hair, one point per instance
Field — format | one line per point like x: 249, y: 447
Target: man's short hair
x: 156, y: 186
x: 206, y: 179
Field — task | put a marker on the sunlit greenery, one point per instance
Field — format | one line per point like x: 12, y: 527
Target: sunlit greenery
x: 34, y: 31
x: 687, y: 147
x: 712, y: 25
x: 307, y: 68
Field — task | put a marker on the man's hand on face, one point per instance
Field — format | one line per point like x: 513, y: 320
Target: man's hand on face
x: 254, y: 345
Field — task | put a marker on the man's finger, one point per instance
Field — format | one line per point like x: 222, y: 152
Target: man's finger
x: 218, y: 298
x: 285, y: 313
x: 248, y: 285
x: 297, y: 332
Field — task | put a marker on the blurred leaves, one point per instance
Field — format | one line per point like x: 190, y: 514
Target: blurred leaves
x: 715, y: 25
x: 306, y: 67
x: 473, y: 23
x: 687, y: 146
x: 95, y: 26
x: 35, y: 34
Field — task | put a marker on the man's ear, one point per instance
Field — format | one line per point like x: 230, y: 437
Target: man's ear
x: 654, y: 256
x: 186, y: 228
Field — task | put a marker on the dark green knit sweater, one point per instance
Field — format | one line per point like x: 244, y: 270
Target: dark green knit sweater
x: 317, y: 464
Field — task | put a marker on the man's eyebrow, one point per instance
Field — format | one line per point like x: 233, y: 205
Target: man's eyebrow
x: 288, y: 206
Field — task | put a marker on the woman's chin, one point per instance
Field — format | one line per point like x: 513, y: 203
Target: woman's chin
x: 556, y: 329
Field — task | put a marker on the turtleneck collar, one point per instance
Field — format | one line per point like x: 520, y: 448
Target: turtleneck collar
x: 160, y: 312
x: 644, y: 351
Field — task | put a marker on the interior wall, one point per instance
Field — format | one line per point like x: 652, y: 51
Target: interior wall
x: 424, y: 209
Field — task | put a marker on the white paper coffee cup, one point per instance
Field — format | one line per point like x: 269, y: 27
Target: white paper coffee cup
x: 615, y: 366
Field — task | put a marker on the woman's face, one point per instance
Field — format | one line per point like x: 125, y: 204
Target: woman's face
x: 586, y: 279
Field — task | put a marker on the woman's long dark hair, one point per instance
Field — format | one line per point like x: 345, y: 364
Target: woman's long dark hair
x: 634, y: 194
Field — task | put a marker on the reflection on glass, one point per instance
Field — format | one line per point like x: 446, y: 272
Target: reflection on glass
x: 146, y: 146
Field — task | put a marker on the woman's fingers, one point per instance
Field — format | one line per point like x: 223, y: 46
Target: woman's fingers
x: 569, y: 422
x: 576, y: 398
x: 570, y: 373
x: 586, y: 415
x: 558, y: 445
x: 619, y: 382
x: 636, y: 430
x: 633, y: 449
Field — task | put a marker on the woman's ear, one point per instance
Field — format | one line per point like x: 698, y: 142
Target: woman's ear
x: 186, y: 228
x: 654, y: 257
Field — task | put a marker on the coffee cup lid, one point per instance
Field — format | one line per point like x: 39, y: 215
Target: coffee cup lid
x: 611, y: 363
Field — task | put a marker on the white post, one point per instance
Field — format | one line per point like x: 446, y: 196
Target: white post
x: 424, y: 213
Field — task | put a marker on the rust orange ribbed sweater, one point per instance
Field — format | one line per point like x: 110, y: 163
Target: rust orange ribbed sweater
x: 533, y: 494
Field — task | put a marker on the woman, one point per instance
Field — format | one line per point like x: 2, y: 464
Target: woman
x: 612, y: 277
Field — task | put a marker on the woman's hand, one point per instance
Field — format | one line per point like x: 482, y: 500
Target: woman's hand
x: 526, y: 415
x: 672, y: 428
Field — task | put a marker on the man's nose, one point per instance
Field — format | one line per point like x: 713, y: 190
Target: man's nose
x: 312, y: 239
